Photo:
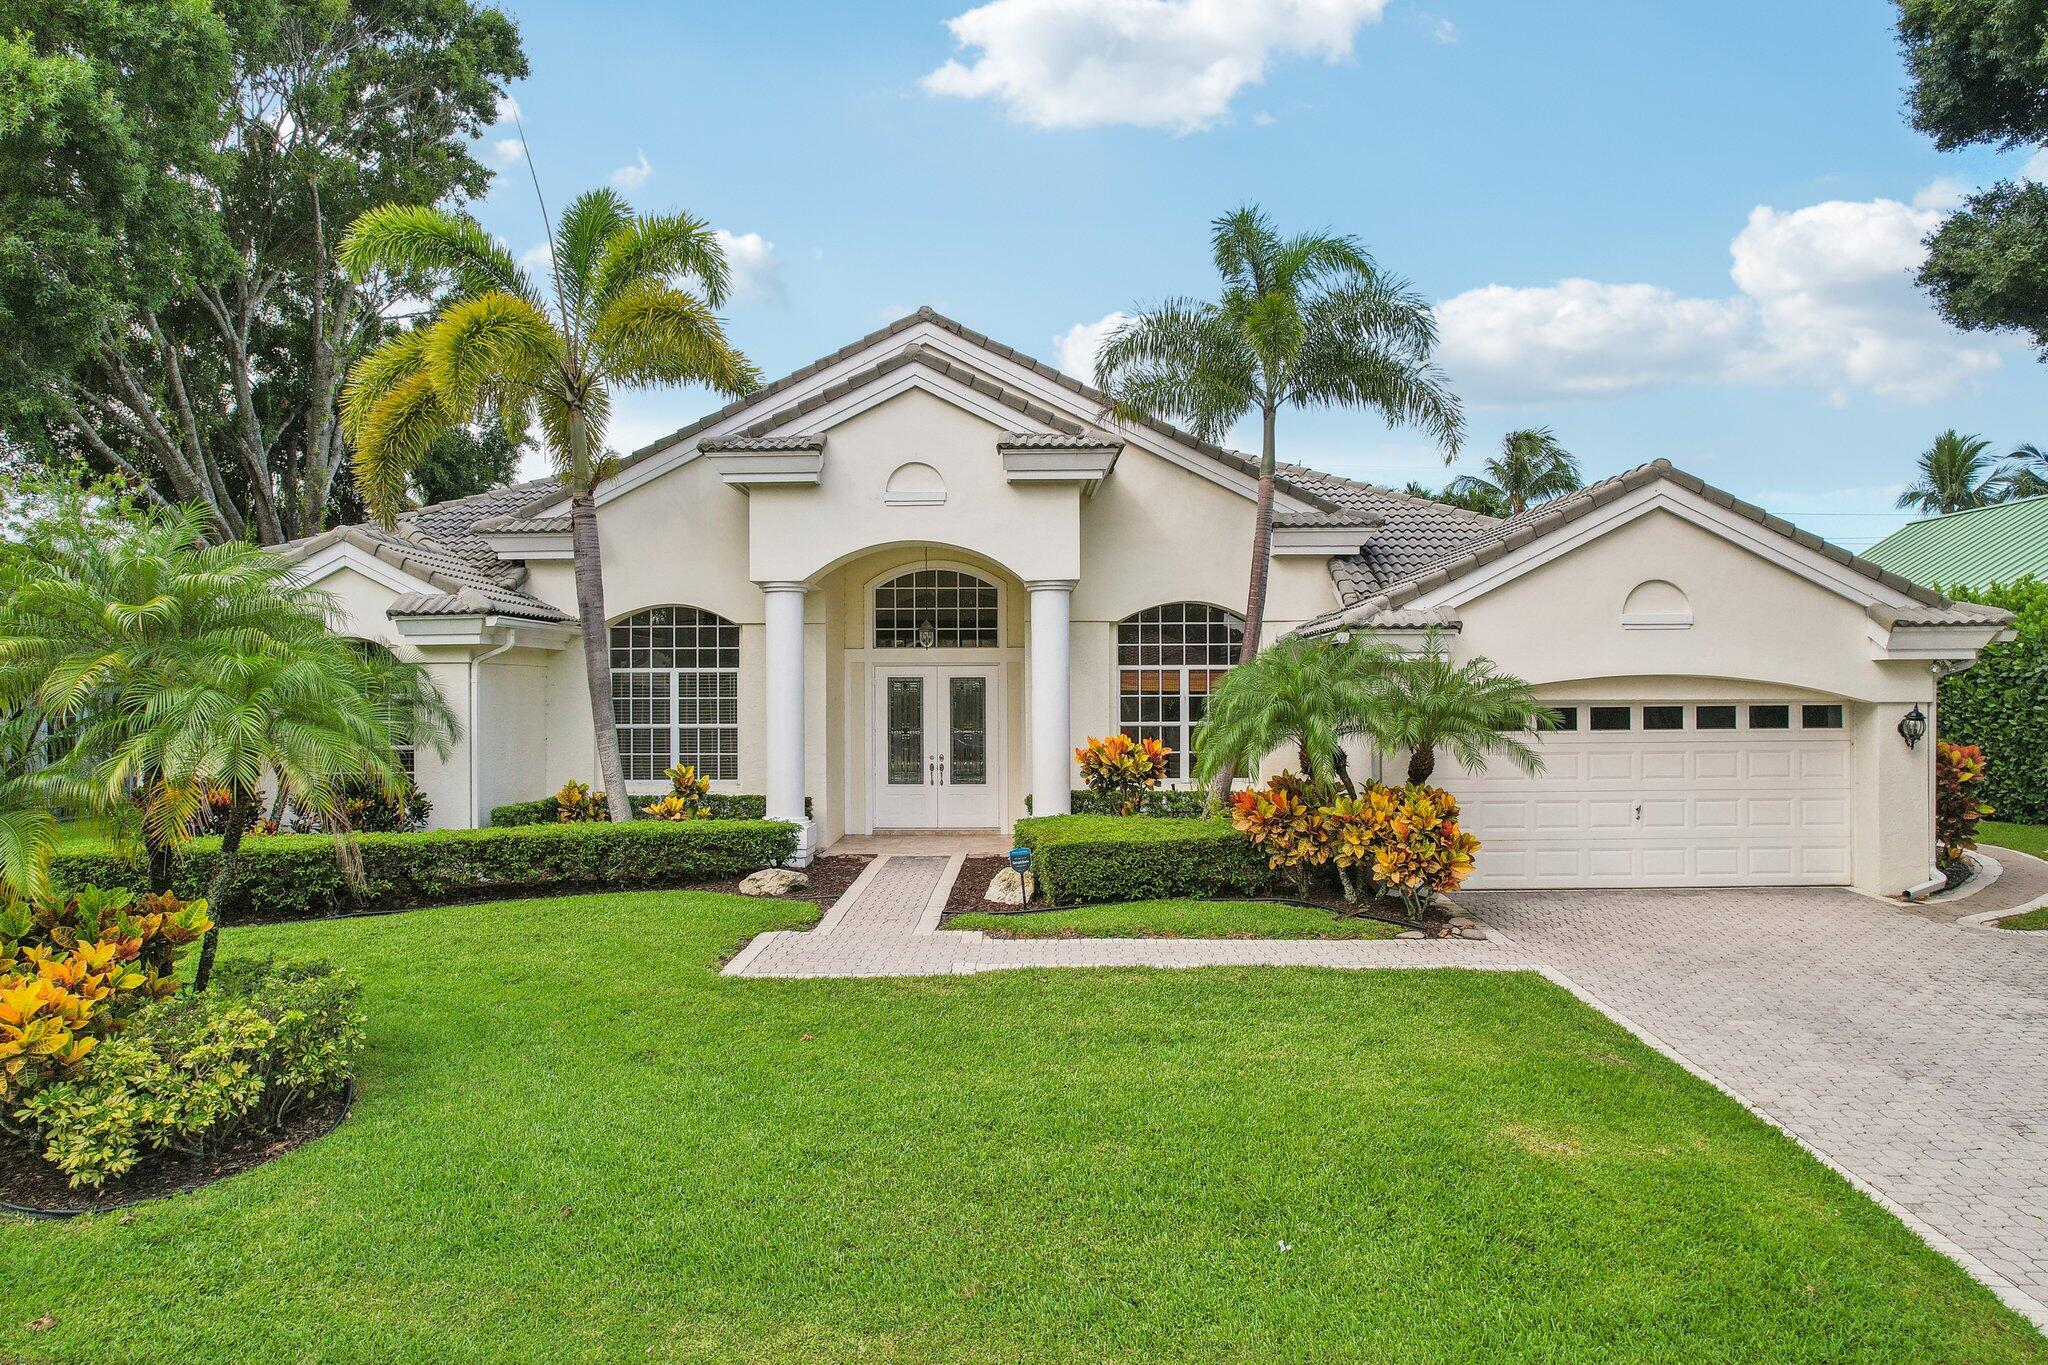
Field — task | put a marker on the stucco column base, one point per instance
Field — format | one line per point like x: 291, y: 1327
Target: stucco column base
x: 1052, y: 768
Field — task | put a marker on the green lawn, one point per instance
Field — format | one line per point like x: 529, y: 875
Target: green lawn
x: 2026, y: 838
x: 1178, y: 919
x: 574, y: 1140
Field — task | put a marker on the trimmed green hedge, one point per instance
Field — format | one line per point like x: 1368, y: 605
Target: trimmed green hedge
x: 724, y: 806
x: 1090, y: 859
x: 1172, y: 803
x: 2000, y: 703
x: 296, y: 876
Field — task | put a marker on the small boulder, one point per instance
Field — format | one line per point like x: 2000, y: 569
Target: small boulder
x: 1471, y: 931
x: 1008, y: 888
x: 774, y: 881
x: 1411, y: 933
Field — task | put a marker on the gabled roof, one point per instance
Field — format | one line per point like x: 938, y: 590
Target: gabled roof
x: 1975, y: 549
x: 478, y: 580
x: 1547, y: 519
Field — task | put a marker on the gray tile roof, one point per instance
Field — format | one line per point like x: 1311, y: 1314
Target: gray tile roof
x: 1345, y: 517
x: 482, y: 579
x: 745, y: 443
x: 452, y: 524
x: 1493, y: 541
x: 1414, y: 532
x: 1046, y: 440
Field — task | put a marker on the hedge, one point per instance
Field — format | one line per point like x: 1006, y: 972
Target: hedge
x: 297, y: 876
x: 2000, y: 704
x: 724, y: 806
x: 1173, y: 803
x: 1090, y: 859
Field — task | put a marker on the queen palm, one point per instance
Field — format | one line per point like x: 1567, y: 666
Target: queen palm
x: 1532, y: 467
x: 1308, y: 694
x: 1472, y: 710
x: 1303, y: 321
x: 1957, y: 473
x: 631, y: 302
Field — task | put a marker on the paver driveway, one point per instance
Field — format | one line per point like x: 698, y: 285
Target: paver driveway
x: 1911, y: 1053
x: 1907, y: 1050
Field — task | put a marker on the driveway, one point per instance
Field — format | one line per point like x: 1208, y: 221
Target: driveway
x: 1910, y: 1052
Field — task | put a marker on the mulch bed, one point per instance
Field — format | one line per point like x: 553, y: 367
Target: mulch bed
x: 971, y: 885
x: 28, y: 1184
x: 830, y: 876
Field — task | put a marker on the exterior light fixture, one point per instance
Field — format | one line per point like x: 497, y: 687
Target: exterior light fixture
x: 927, y: 634
x: 1913, y: 728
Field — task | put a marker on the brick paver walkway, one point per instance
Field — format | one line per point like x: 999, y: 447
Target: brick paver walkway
x: 1903, y: 1050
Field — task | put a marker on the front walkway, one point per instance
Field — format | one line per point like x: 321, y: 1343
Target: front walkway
x: 1905, y: 1050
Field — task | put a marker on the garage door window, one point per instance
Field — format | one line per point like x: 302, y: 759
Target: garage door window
x: 1663, y: 717
x: 1610, y: 717
x: 1824, y: 717
x: 1713, y: 718
x: 1560, y: 718
x: 1770, y: 717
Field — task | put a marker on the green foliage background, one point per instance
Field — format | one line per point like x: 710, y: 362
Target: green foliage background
x: 2001, y: 703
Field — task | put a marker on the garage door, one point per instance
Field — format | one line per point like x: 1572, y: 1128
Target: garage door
x: 1635, y: 794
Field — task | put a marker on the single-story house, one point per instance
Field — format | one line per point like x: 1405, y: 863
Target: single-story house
x: 1973, y: 549
x: 902, y: 583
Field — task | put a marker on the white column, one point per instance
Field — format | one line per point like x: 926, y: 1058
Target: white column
x: 1052, y: 765
x: 784, y: 615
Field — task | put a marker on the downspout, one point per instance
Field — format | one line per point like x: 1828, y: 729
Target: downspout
x: 475, y: 786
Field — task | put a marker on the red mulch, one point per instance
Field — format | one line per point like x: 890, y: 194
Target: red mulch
x: 33, y: 1183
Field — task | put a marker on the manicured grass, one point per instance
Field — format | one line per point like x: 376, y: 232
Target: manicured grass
x: 2026, y: 838
x: 1178, y: 919
x: 2033, y: 919
x: 573, y: 1139
x: 86, y: 836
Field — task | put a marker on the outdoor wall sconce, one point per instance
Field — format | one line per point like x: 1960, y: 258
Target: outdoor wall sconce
x: 1913, y: 728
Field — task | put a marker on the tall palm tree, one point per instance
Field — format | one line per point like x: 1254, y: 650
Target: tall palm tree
x: 2027, y: 474
x: 1471, y: 709
x: 1531, y: 468
x: 1303, y: 321
x: 632, y: 298
x: 1311, y: 694
x: 177, y: 667
x: 1957, y: 473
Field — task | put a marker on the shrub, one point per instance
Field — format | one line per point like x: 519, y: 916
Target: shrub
x: 1408, y: 840
x: 1120, y: 770
x: 193, y: 1073
x: 73, y: 967
x: 722, y: 805
x: 2000, y: 703
x: 1168, y: 802
x: 369, y: 809
x: 1959, y: 778
x: 1089, y: 859
x: 686, y: 801
x: 296, y: 876
x: 576, y: 803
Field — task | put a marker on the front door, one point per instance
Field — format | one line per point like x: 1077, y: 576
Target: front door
x: 935, y: 747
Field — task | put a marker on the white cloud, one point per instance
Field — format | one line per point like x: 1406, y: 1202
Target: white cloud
x: 1153, y: 63
x: 1824, y: 299
x: 1262, y: 119
x: 756, y: 270
x: 538, y: 258
x: 634, y: 176
x: 2036, y: 169
x: 507, y: 111
x: 510, y: 151
x: 1074, y: 349
x: 1444, y: 31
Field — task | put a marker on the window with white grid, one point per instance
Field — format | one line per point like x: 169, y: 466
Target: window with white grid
x: 676, y: 693
x: 1168, y: 658
x: 936, y: 609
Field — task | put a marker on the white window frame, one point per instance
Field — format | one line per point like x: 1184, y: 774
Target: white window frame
x: 673, y: 675
x: 1184, y: 749
x: 883, y: 580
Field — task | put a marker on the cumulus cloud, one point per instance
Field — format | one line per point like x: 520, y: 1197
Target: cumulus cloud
x: 1824, y: 299
x: 1154, y: 63
x: 507, y: 111
x: 538, y: 258
x: 510, y: 151
x: 634, y: 176
x: 1074, y: 349
x: 756, y: 269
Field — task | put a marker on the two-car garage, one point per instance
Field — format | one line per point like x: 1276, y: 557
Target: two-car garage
x: 1632, y: 793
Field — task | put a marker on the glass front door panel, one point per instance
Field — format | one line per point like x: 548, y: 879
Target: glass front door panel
x: 967, y: 729
x: 905, y: 732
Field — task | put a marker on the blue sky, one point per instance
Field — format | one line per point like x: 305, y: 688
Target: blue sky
x: 1676, y: 230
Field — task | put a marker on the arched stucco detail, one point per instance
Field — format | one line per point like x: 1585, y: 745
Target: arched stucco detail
x: 1655, y: 604
x: 914, y: 484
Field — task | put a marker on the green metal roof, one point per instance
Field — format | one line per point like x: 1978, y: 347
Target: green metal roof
x: 1985, y: 545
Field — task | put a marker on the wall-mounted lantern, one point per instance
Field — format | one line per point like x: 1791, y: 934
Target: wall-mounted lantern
x: 1913, y: 727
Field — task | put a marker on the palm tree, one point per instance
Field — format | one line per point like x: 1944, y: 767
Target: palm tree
x: 1474, y: 495
x: 1957, y: 473
x: 2027, y: 474
x: 1303, y: 321
x: 178, y: 667
x: 1531, y: 468
x: 1472, y: 709
x: 1311, y: 694
x: 633, y: 299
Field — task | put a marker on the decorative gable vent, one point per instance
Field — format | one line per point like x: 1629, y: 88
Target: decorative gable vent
x: 1656, y: 605
x: 914, y: 485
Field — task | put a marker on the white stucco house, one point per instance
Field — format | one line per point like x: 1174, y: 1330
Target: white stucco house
x: 906, y: 580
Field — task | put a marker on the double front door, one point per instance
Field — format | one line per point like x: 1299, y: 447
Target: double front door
x: 935, y: 747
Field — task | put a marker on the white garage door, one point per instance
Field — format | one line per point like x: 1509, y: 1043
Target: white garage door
x: 1635, y: 794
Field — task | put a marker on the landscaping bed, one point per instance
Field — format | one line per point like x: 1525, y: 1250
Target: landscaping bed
x: 572, y: 1138
x: 829, y: 877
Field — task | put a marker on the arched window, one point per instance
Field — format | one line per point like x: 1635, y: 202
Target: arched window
x: 936, y: 609
x: 1168, y: 657
x: 676, y: 693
